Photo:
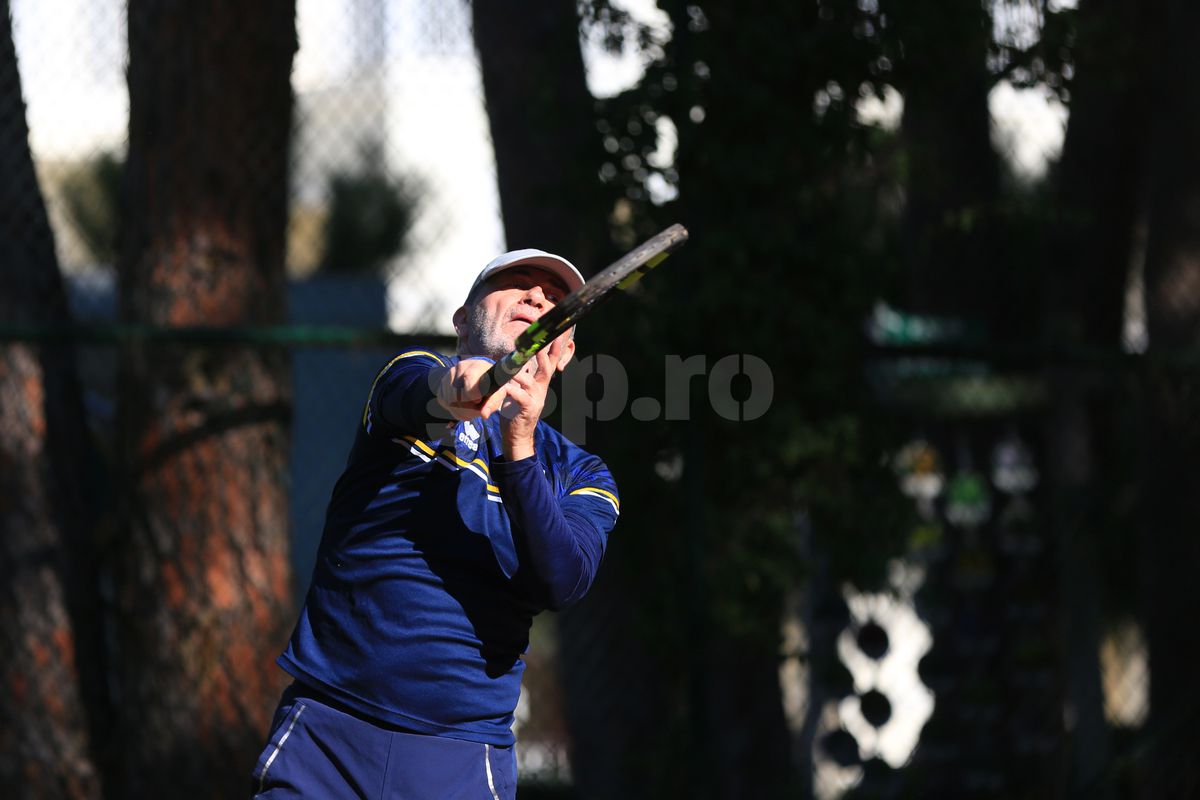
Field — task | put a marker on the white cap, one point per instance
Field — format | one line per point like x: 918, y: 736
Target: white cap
x: 540, y: 258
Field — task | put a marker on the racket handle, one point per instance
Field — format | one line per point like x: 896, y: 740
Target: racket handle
x: 500, y: 373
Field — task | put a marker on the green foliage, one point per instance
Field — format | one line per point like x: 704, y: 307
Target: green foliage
x: 370, y: 214
x: 799, y: 216
x: 793, y: 222
x: 792, y: 210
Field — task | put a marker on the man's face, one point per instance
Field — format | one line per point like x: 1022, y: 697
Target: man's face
x: 503, y: 307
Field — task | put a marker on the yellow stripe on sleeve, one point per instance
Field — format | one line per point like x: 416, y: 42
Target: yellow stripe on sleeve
x: 602, y: 492
x: 479, y: 461
x: 374, y: 383
x: 410, y: 353
x: 426, y: 449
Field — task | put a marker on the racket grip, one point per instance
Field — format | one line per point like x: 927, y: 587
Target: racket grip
x: 500, y: 373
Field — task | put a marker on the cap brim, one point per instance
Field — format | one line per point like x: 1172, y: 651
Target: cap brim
x: 556, y: 265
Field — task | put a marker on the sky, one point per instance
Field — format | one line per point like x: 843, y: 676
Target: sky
x: 72, y: 68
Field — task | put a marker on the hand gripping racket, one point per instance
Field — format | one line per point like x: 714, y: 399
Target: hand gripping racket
x: 621, y: 274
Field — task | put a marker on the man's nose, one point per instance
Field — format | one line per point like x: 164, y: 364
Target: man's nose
x: 535, y: 295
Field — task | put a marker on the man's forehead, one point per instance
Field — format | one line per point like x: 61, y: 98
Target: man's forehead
x: 531, y: 271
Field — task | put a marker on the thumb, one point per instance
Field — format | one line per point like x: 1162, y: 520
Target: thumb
x: 493, y: 403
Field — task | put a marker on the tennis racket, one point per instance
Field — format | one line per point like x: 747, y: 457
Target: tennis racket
x: 620, y: 275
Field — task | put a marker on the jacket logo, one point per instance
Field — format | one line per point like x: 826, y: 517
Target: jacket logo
x: 468, y: 437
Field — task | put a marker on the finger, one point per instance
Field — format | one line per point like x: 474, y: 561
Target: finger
x: 545, y: 366
x: 467, y: 391
x: 527, y: 377
x: 475, y: 376
x: 454, y: 400
x: 517, y: 394
x: 460, y: 394
x: 522, y: 388
x: 517, y: 400
x: 493, y: 403
x: 461, y: 386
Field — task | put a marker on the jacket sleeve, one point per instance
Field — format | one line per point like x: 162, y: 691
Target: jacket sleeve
x: 564, y: 537
x: 402, y: 398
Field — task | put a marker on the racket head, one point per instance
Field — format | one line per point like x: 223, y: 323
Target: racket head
x: 621, y: 274
x: 618, y: 276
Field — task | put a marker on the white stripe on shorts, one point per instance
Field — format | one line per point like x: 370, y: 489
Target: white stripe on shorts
x: 262, y: 778
x: 487, y: 764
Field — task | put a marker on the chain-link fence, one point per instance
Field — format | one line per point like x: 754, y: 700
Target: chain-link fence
x: 393, y: 207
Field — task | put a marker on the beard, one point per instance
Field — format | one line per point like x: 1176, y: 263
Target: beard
x: 484, y: 337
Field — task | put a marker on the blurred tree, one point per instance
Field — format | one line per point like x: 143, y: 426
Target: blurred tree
x: 777, y: 183
x: 1100, y: 180
x: 203, y: 581
x: 92, y: 195
x: 952, y: 172
x: 47, y: 632
x: 951, y: 185
x: 543, y: 128
x: 370, y: 214
x: 1171, y: 480
x: 1099, y: 192
x: 960, y: 222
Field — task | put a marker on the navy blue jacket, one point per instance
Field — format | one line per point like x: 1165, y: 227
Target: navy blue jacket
x: 436, y: 555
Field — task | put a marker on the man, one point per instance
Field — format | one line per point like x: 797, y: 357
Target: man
x: 458, y: 518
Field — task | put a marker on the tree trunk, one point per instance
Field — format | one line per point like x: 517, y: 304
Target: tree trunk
x: 204, y: 585
x: 1102, y: 174
x: 752, y: 171
x: 1172, y: 481
x: 952, y: 237
x: 44, y: 739
x: 1101, y: 181
x: 953, y: 171
x: 543, y: 126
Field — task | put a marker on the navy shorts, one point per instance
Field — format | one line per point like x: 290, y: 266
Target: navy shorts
x: 323, y: 751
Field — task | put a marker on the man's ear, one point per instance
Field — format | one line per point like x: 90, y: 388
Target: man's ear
x: 460, y: 321
x: 565, y: 354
